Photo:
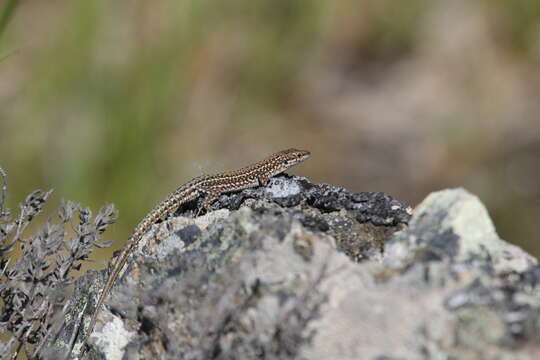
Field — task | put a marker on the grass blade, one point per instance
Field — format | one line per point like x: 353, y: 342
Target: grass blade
x: 6, y: 13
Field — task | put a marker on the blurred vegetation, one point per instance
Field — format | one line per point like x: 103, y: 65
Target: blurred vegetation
x: 6, y: 12
x: 123, y: 101
x: 519, y: 23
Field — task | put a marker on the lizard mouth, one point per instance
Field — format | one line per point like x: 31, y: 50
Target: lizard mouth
x: 304, y: 155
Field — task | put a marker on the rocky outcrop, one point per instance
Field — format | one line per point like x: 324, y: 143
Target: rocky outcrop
x: 296, y: 270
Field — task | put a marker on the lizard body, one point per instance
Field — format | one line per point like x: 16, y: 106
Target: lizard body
x: 210, y: 186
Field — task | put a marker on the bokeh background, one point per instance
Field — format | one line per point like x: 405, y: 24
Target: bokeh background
x: 122, y: 101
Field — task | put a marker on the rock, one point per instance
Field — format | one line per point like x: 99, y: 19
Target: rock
x: 296, y: 270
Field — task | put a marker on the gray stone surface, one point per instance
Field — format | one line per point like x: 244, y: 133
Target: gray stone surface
x: 296, y: 270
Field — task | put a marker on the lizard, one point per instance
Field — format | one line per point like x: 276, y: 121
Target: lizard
x: 209, y: 186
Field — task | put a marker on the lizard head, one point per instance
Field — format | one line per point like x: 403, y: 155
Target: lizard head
x: 287, y: 158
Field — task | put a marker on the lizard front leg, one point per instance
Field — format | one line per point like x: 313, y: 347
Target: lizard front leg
x: 263, y: 180
x: 209, y: 198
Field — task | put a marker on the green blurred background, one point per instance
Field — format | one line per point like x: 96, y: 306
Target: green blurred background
x: 122, y: 101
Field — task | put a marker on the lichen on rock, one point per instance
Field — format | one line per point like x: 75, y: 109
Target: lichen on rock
x: 296, y: 270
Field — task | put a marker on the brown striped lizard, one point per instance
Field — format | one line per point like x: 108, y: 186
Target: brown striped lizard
x: 209, y: 186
